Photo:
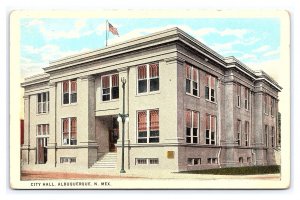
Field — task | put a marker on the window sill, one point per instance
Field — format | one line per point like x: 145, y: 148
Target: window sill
x: 211, y: 101
x: 67, y: 105
x: 147, y: 93
x: 42, y: 113
x: 110, y: 101
x: 191, y: 95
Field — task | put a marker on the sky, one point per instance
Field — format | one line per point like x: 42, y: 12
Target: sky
x: 255, y: 41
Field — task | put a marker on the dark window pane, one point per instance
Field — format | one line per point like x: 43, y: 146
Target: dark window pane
x: 142, y: 86
x: 66, y: 98
x: 73, y: 142
x: 115, y: 93
x: 195, y: 131
x: 142, y: 134
x: 154, y: 84
x: 188, y: 86
x: 105, y: 91
x: 195, y: 140
x: 144, y: 140
x: 39, y: 97
x: 212, y: 135
x: 206, y: 93
x: 154, y: 133
x: 188, y: 131
x: 212, y: 98
x: 212, y: 142
x: 207, y: 133
x: 106, y: 97
x: 73, y: 97
x: 195, y: 89
x: 188, y: 140
x: 44, y: 96
x: 153, y: 140
x: 196, y: 162
x: 207, y: 141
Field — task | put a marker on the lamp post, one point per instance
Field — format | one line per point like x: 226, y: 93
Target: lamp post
x: 123, y: 117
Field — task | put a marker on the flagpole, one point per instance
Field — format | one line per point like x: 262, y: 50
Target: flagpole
x: 106, y: 32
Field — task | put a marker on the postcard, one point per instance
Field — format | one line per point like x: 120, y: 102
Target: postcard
x: 149, y: 99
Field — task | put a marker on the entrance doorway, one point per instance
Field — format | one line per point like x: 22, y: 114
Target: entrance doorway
x: 42, y: 150
x: 113, y: 135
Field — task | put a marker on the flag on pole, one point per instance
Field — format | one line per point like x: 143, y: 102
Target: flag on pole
x: 112, y: 29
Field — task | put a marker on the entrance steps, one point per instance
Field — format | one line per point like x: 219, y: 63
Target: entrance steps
x: 106, y: 161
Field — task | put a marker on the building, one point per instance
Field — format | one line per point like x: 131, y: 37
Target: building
x: 189, y: 108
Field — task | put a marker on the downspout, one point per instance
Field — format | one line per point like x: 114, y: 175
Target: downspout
x: 55, y: 138
x: 219, y: 163
x: 28, y: 152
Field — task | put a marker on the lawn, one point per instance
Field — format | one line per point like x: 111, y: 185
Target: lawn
x: 273, y: 169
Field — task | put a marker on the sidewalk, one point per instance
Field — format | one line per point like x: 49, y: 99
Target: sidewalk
x: 101, y: 174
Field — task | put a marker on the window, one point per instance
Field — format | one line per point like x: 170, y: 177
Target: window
x: 246, y: 133
x: 42, y: 137
x: 239, y: 131
x: 67, y: 159
x: 43, y: 102
x: 146, y: 161
x: 69, y: 130
x: 266, y: 102
x: 153, y: 161
x: 42, y: 129
x: 110, y: 87
x: 238, y: 94
x: 248, y: 159
x: 194, y: 161
x: 69, y: 91
x: 148, y: 78
x: 247, y: 92
x: 212, y: 160
x: 192, y: 126
x: 192, y: 80
x: 210, y: 84
x: 266, y: 135
x: 210, y: 133
x: 241, y: 160
x: 273, y: 102
x: 148, y: 126
x: 273, y: 137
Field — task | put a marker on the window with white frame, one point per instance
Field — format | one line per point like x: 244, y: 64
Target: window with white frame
x: 239, y: 131
x: 43, y: 102
x: 148, y: 78
x: 148, y: 126
x: 67, y: 160
x: 273, y: 136
x: 192, y: 126
x: 210, y: 132
x: 212, y: 160
x: 69, y: 91
x: 246, y: 133
x: 210, y: 85
x: 238, y: 94
x: 247, y: 94
x: 69, y: 131
x: 266, y: 135
x: 146, y: 161
x: 43, y: 130
x: 192, y: 80
x: 194, y: 161
x: 110, y: 87
x: 273, y: 102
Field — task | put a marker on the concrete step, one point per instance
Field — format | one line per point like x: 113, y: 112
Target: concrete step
x: 106, y: 161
